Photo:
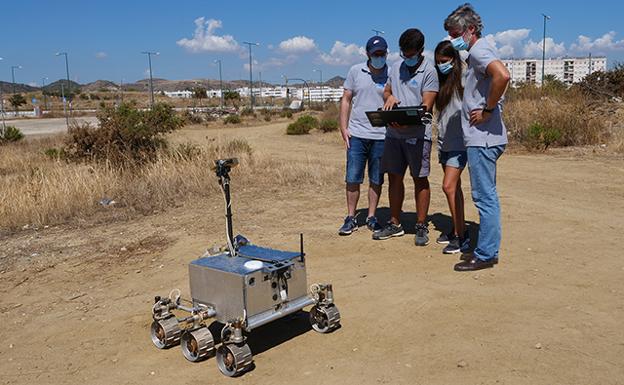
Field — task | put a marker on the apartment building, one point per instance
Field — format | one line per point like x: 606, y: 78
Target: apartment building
x: 568, y: 69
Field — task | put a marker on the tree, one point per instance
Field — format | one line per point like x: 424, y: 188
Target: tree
x: 199, y: 93
x: 16, y: 101
x: 231, y: 95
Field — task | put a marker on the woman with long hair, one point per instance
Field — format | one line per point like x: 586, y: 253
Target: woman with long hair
x: 451, y: 150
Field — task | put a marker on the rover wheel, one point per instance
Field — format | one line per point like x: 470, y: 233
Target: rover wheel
x: 165, y: 333
x: 233, y: 360
x: 324, y: 318
x: 197, y: 345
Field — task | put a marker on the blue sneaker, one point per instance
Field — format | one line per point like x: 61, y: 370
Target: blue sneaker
x: 464, y: 244
x: 349, y: 226
x: 372, y: 224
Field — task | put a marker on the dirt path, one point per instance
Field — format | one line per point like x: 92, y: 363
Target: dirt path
x: 75, y: 300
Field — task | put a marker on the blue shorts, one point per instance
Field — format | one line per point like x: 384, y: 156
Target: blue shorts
x: 360, y: 152
x: 455, y: 159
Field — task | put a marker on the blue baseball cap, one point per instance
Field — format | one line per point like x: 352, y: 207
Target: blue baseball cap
x: 376, y: 43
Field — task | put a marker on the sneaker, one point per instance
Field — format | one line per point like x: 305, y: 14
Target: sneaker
x: 454, y: 246
x: 372, y: 224
x: 444, y: 239
x: 422, y: 235
x: 349, y: 226
x: 464, y: 244
x: 389, y: 231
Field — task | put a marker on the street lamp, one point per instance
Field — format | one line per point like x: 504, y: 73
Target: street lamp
x: 66, y: 70
x: 378, y: 32
x: 151, y: 86
x: 308, y: 87
x: 546, y: 17
x: 45, y: 98
x: 2, y: 106
x: 251, y: 98
x: 321, y: 83
x: 220, y: 81
x: 13, y: 82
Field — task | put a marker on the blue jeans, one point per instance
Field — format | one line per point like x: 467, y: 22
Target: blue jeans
x: 482, y: 166
x: 360, y: 152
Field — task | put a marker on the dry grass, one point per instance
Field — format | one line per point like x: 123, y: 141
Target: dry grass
x: 37, y: 190
x: 567, y: 111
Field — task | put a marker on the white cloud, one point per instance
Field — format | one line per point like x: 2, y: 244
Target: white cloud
x: 342, y: 54
x: 600, y: 46
x: 534, y: 49
x: 509, y: 43
x: 297, y: 44
x: 101, y: 55
x: 204, y: 39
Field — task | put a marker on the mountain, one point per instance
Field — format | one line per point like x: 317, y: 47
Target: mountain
x: 335, y: 82
x: 7, y: 88
x: 55, y: 87
x: 100, y: 85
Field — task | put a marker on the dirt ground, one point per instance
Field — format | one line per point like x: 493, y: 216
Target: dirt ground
x: 75, y: 299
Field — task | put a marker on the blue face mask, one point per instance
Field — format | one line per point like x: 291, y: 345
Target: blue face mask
x: 378, y: 62
x: 411, y: 61
x: 445, y: 68
x: 459, y: 43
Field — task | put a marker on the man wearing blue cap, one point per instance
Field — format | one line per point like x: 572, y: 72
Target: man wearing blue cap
x: 363, y: 91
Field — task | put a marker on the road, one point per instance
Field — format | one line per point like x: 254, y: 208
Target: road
x: 45, y: 126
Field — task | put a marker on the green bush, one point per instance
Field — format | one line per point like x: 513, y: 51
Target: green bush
x: 303, y: 125
x: 247, y: 111
x: 539, y: 137
x: 286, y: 113
x: 125, y: 136
x: 10, y: 134
x: 329, y: 125
x: 232, y: 119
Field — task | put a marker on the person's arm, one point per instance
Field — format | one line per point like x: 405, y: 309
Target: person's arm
x: 428, y: 99
x: 345, y: 111
x: 500, y: 79
x: 389, y: 99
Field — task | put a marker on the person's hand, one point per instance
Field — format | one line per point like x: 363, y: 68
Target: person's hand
x: 479, y: 116
x: 390, y: 103
x: 345, y: 136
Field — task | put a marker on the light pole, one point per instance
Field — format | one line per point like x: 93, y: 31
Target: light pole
x: 321, y: 83
x: 45, y: 98
x: 64, y: 106
x: 378, y: 32
x: 66, y: 73
x: 251, y: 98
x: 13, y: 82
x: 151, y: 86
x: 220, y: 81
x: 2, y: 105
x: 308, y: 87
x: 546, y: 17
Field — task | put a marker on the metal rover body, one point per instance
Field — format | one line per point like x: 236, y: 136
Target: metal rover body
x: 256, y: 296
x: 241, y: 287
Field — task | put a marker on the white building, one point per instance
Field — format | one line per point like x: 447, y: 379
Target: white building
x: 322, y: 94
x: 568, y: 69
x: 295, y: 91
x: 179, y: 94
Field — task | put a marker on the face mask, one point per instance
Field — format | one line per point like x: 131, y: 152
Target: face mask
x: 445, y: 68
x: 378, y: 62
x: 459, y: 43
x: 411, y: 61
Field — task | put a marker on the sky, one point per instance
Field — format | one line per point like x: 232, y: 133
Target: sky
x: 297, y: 39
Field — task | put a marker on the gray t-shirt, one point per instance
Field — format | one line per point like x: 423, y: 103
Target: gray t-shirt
x: 476, y: 89
x: 450, y: 135
x: 367, y: 91
x: 408, y: 89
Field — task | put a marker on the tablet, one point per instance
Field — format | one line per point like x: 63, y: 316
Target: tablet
x: 405, y: 116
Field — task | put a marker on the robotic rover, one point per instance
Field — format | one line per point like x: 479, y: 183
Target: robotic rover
x: 242, y: 287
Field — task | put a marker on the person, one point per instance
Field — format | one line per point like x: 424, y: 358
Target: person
x: 363, y: 91
x: 412, y: 82
x: 451, y: 150
x: 485, y: 135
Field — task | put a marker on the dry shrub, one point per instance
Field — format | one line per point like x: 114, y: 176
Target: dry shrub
x: 568, y: 113
x: 36, y: 190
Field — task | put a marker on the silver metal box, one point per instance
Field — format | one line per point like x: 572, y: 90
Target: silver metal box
x: 258, y: 294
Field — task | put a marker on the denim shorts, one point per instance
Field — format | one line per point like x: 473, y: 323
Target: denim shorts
x: 360, y: 152
x: 401, y: 153
x: 455, y: 159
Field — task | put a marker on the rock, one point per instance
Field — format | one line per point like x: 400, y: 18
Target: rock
x: 538, y: 346
x: 11, y: 346
x: 475, y: 276
x: 462, y: 364
x: 123, y: 249
x: 138, y: 271
x: 152, y: 373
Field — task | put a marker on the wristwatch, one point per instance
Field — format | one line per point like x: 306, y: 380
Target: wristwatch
x: 488, y: 110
